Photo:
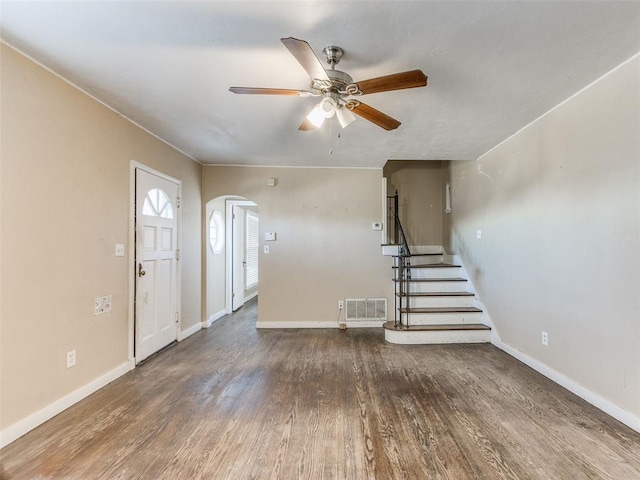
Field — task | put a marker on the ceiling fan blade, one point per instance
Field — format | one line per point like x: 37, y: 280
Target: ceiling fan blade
x: 396, y: 81
x: 376, y: 116
x: 305, y: 56
x: 269, y: 91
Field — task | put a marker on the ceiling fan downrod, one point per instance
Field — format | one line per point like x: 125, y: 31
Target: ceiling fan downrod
x: 333, y: 55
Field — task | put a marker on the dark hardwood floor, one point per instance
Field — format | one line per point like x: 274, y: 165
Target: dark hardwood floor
x: 232, y: 402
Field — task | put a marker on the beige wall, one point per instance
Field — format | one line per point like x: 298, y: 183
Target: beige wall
x: 65, y: 203
x: 325, y: 249
x: 559, y: 209
x: 421, y: 198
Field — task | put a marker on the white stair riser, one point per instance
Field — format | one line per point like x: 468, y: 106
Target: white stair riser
x: 426, y: 249
x: 438, y: 272
x: 442, y: 336
x: 417, y: 287
x: 390, y: 250
x: 442, y: 318
x: 439, y: 301
x: 427, y: 259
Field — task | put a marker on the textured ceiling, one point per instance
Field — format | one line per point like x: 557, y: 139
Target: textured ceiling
x: 493, y: 67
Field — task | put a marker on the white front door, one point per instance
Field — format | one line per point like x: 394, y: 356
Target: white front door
x: 156, y: 312
x: 238, y: 254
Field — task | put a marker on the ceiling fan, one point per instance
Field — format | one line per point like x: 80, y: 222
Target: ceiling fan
x: 335, y: 88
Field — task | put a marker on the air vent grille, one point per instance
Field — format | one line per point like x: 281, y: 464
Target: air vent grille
x: 366, y: 308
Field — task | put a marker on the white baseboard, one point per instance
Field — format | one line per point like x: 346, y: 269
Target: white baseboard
x: 250, y: 296
x: 297, y: 324
x: 594, y: 399
x: 213, y: 318
x: 36, y: 419
x: 189, y: 331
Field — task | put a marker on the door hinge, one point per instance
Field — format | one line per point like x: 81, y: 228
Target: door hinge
x: 177, y: 317
x: 178, y: 202
x: 178, y: 254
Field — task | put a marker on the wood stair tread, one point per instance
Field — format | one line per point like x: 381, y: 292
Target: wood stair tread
x: 436, y: 328
x: 433, y: 280
x: 436, y: 294
x: 441, y: 310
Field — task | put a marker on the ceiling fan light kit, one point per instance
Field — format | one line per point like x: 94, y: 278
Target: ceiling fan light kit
x: 335, y: 87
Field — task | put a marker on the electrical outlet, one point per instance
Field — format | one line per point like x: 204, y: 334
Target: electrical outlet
x: 119, y: 250
x: 340, y: 304
x: 102, y: 305
x: 71, y: 358
x: 545, y: 338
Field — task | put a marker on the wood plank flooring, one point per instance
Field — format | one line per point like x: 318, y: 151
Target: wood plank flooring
x: 232, y: 402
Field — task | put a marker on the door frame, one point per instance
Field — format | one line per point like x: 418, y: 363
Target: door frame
x: 131, y: 271
x: 229, y: 250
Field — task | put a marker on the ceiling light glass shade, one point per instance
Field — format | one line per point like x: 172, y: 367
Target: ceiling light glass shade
x: 316, y: 117
x: 345, y: 117
x: 328, y: 107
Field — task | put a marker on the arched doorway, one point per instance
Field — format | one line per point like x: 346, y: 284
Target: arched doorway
x: 231, y: 257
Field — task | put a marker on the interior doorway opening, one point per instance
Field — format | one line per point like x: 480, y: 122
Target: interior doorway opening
x: 232, y: 268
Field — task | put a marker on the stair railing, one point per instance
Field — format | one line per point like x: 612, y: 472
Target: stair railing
x: 401, y: 261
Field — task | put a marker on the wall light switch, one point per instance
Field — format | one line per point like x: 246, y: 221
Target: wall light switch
x: 271, y: 182
x: 119, y: 250
x: 478, y: 234
x: 266, y: 249
x: 270, y: 236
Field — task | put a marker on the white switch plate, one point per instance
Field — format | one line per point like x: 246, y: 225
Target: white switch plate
x: 71, y: 358
x: 269, y: 236
x: 478, y: 234
x: 119, y: 250
x: 266, y: 249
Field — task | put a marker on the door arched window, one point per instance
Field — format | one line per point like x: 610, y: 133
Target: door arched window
x: 157, y: 204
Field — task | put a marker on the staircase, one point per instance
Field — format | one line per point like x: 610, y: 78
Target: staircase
x: 433, y: 302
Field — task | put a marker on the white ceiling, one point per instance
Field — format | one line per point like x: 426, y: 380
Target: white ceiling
x: 493, y: 67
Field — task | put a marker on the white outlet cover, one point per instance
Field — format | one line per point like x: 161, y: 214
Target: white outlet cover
x: 478, y: 234
x: 266, y: 249
x: 119, y: 250
x: 71, y: 358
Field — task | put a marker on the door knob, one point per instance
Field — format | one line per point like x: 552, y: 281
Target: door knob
x: 141, y: 272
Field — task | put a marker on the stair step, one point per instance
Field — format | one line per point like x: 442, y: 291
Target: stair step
x: 441, y: 310
x: 433, y: 280
x: 435, y: 328
x: 437, y: 334
x: 436, y: 294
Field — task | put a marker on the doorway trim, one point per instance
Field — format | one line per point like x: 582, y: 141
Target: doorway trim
x: 229, y: 204
x: 131, y: 270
